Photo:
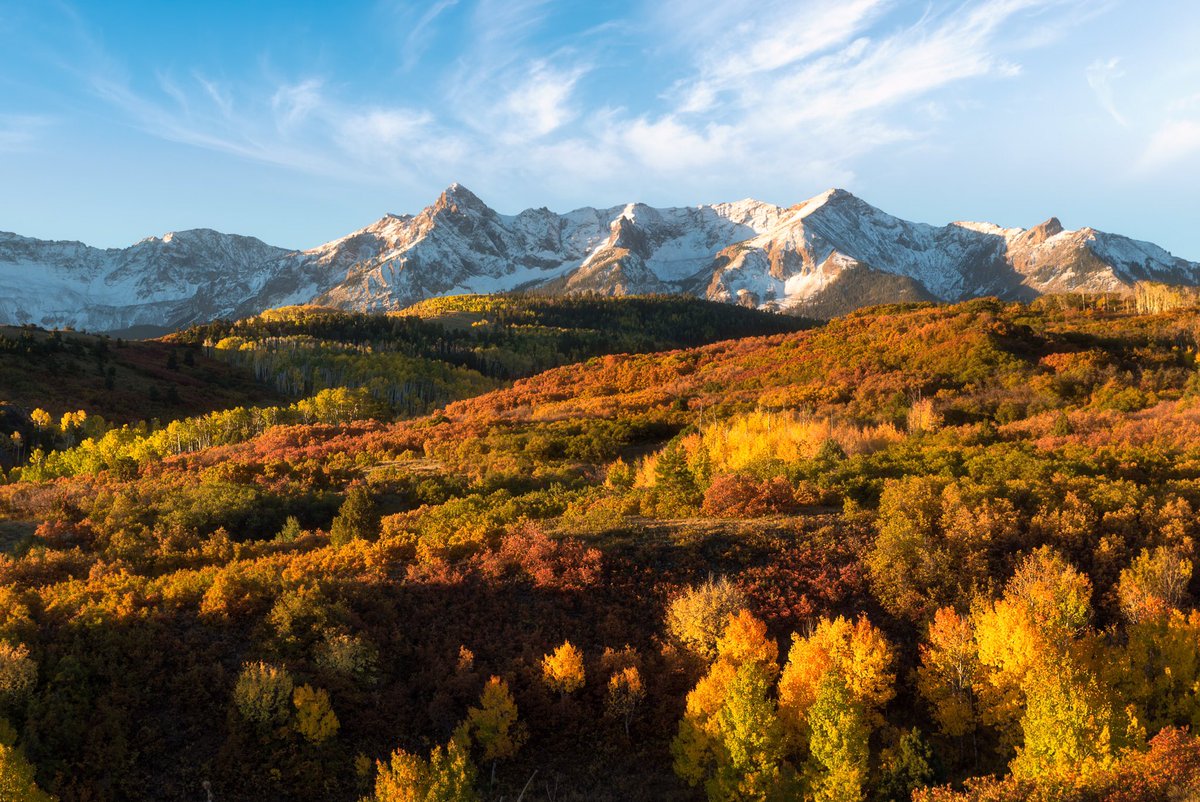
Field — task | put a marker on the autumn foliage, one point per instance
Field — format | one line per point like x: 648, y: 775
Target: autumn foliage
x: 942, y: 550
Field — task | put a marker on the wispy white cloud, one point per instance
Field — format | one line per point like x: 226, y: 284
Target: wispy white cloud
x: 668, y: 145
x: 778, y: 35
x: 540, y: 103
x: 1184, y: 105
x: 416, y: 42
x: 272, y: 133
x: 1175, y: 141
x: 499, y: 68
x: 1100, y: 75
x: 19, y: 132
x: 1170, y: 129
x: 503, y: 26
x: 396, y: 144
x: 294, y: 104
x: 216, y: 93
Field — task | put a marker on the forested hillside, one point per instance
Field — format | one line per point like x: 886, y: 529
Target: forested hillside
x: 216, y: 383
x: 122, y: 381
x: 935, y: 550
x: 448, y: 348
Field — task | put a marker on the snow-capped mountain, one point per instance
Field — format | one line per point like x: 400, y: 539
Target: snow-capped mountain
x: 832, y: 253
x: 161, y: 281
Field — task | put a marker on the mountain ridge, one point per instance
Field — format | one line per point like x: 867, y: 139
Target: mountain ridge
x: 814, y: 257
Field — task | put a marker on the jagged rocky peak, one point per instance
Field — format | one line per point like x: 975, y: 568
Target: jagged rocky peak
x: 456, y: 198
x: 1044, y: 231
x: 639, y: 212
x: 627, y: 234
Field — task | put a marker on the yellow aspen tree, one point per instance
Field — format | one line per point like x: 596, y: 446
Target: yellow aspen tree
x: 704, y: 700
x: 18, y: 672
x: 315, y: 719
x: 263, y: 694
x: 1055, y: 596
x: 948, y: 672
x: 697, y: 617
x: 1154, y: 585
x: 1067, y: 727
x: 836, y: 770
x: 625, y: 694
x: 730, y: 738
x: 71, y: 424
x: 1159, y: 670
x: 494, y: 723
x: 739, y: 752
x: 563, y: 669
x: 908, y: 566
x: 451, y: 772
x: 447, y: 776
x: 1038, y: 621
x: 744, y: 640
x: 404, y: 778
x: 752, y: 763
x: 857, y: 652
x: 1038, y: 683
x: 832, y: 687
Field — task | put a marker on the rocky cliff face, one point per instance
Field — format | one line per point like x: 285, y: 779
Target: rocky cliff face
x: 828, y: 254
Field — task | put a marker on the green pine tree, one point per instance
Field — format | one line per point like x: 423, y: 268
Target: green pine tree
x: 356, y: 519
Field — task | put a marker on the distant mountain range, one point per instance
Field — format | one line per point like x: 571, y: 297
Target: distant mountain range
x: 825, y: 256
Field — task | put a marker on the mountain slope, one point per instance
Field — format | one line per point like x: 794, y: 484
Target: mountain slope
x: 161, y: 281
x: 122, y: 382
x: 830, y: 254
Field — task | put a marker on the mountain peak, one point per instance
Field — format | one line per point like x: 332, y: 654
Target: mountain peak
x: 457, y: 192
x: 836, y: 193
x: 185, y: 235
x: 1052, y: 226
x: 1044, y: 231
x: 833, y: 196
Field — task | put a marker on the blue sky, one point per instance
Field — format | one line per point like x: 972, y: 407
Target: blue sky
x: 298, y: 122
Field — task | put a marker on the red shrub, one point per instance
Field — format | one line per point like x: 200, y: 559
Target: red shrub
x: 740, y: 496
x: 561, y: 564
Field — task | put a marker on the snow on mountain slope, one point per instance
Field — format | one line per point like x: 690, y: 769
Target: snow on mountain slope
x: 179, y: 278
x: 830, y: 253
